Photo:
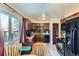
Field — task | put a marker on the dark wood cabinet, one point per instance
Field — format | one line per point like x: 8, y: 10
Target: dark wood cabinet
x: 35, y: 26
x: 55, y: 32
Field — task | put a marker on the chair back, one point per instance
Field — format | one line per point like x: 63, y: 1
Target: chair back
x: 13, y: 50
x: 40, y: 49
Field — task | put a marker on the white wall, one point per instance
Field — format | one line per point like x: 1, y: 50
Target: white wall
x: 46, y: 21
x: 51, y: 30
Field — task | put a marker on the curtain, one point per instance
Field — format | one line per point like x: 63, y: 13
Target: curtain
x: 23, y: 31
x: 1, y: 41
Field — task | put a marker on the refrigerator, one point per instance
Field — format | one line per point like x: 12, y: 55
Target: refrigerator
x: 72, y: 38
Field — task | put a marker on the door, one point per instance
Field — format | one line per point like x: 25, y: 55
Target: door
x: 55, y: 32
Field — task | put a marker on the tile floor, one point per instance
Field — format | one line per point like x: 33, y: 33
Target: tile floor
x: 53, y: 51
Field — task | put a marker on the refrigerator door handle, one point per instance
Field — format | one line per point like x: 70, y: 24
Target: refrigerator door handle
x: 73, y: 40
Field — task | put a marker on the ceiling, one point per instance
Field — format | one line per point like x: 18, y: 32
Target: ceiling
x: 34, y: 11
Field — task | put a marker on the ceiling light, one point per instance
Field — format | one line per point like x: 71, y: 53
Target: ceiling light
x: 43, y: 16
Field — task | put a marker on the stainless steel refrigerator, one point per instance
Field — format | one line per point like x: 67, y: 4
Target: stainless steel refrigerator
x: 72, y: 38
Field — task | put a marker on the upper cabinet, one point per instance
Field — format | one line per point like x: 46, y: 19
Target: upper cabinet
x: 64, y: 21
x: 35, y: 26
x: 71, y: 17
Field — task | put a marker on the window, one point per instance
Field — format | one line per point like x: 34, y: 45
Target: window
x: 10, y: 27
x: 5, y: 27
x: 15, y: 28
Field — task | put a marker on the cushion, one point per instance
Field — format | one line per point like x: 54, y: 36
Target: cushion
x: 25, y: 48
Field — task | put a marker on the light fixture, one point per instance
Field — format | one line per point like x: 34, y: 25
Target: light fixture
x: 43, y: 16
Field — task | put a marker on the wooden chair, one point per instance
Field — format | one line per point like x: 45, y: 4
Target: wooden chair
x: 6, y: 51
x: 9, y: 50
x: 40, y: 49
x: 17, y: 46
x: 13, y: 50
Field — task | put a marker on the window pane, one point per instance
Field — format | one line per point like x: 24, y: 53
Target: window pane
x: 15, y: 24
x: 5, y: 21
x: 5, y: 24
x: 15, y: 29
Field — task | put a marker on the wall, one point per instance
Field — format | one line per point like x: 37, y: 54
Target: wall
x: 51, y: 30
x: 46, y: 21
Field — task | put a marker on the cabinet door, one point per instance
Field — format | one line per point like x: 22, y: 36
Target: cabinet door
x: 55, y: 32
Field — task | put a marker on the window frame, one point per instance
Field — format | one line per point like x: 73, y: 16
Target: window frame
x: 10, y: 27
